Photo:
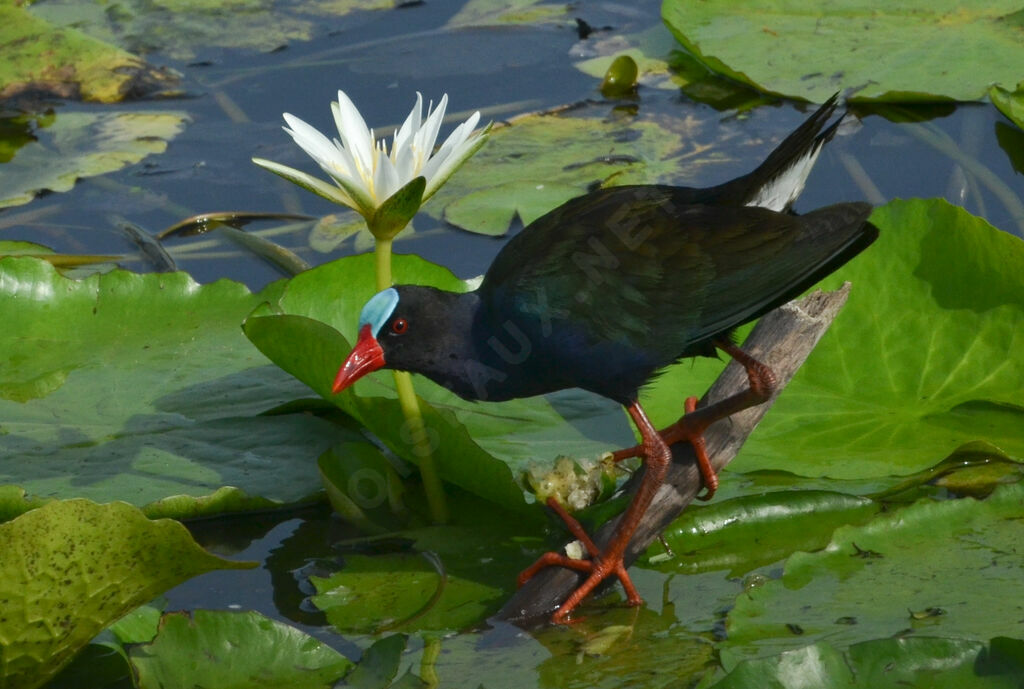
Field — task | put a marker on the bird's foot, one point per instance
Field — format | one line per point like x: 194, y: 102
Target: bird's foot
x: 599, y: 567
x: 690, y: 427
x: 694, y: 422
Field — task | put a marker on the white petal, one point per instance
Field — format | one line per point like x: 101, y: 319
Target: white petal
x: 409, y: 128
x: 439, y: 174
x: 317, y: 186
x: 427, y: 135
x: 406, y: 165
x: 385, y: 180
x: 458, y: 137
x: 315, y: 144
x: 452, y: 146
x: 355, y: 135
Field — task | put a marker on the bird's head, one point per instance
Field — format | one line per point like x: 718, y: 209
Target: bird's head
x: 408, y: 328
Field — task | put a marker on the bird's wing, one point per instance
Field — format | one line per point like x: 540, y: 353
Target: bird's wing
x: 632, y: 264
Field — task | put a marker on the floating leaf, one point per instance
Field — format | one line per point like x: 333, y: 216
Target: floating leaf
x: 811, y: 50
x: 888, y: 663
x: 36, y: 56
x: 504, y: 12
x: 217, y: 648
x: 743, y: 533
x: 402, y: 591
x: 928, y: 354
x: 70, y: 568
x: 960, y: 556
x: 1010, y: 103
x: 84, y: 144
x: 143, y: 388
x: 542, y: 160
x: 184, y: 29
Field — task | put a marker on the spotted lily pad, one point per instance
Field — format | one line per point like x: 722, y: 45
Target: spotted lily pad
x: 806, y: 49
x: 932, y: 569
x: 70, y: 568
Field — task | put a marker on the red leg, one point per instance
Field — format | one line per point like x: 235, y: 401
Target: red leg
x: 694, y: 422
x: 610, y: 562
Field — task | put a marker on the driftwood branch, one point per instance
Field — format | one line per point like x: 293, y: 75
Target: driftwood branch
x: 783, y: 339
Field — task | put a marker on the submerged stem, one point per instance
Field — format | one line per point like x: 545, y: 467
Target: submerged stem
x: 411, y: 407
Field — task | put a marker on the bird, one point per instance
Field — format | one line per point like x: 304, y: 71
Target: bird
x: 609, y: 288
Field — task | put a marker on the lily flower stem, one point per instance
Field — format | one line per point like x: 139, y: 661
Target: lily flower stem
x: 432, y: 485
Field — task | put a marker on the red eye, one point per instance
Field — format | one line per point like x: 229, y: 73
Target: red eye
x: 399, y: 326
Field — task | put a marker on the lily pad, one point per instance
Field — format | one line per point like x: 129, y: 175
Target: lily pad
x: 402, y: 591
x: 217, y: 648
x: 185, y: 29
x: 743, y: 533
x: 505, y: 12
x: 444, y: 578
x: 482, y: 446
x: 39, y: 57
x: 663, y: 65
x: 811, y: 50
x: 143, y: 388
x: 83, y: 144
x: 947, y: 568
x: 883, y: 663
x: 926, y: 356
x: 539, y: 161
x: 71, y: 568
x: 1010, y: 103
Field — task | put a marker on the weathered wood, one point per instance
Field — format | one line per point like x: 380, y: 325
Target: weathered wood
x: 782, y: 339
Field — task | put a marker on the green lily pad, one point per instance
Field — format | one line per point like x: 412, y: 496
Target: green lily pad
x: 504, y: 12
x: 183, y: 29
x: 217, y: 648
x: 663, y: 65
x: 70, y: 568
x: 443, y: 578
x: 539, y: 161
x: 754, y: 530
x: 37, y: 56
x: 810, y: 50
x: 402, y: 591
x: 143, y: 388
x: 1010, y: 103
x: 947, y: 568
x: 925, y: 357
x: 493, y: 210
x: 913, y: 663
x: 482, y: 446
x: 83, y: 144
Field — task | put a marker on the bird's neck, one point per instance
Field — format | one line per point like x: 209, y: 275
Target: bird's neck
x: 475, y: 354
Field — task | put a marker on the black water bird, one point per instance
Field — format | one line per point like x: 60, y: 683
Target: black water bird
x: 610, y: 287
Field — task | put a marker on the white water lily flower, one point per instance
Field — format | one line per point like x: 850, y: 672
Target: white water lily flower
x: 365, y: 172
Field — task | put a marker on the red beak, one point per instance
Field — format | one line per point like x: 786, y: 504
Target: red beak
x: 366, y: 356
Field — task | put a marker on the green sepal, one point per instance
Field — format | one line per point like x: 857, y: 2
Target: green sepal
x: 399, y: 208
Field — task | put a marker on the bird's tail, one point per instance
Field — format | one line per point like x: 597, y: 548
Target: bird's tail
x: 778, y: 181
